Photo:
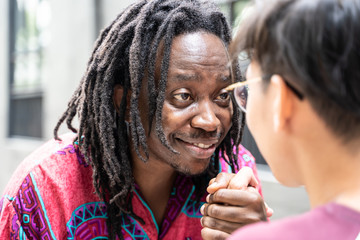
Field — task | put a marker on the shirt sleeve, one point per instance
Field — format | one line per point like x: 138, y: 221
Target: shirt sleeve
x: 23, y: 215
x: 10, y: 224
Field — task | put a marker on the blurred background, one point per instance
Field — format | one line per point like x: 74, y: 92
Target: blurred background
x: 44, y: 48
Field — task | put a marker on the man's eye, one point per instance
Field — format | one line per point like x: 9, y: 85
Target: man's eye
x: 224, y: 96
x: 182, y: 96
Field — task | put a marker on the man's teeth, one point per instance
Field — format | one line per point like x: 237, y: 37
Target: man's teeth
x: 201, y: 145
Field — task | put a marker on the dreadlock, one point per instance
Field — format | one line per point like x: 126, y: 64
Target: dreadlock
x: 124, y: 52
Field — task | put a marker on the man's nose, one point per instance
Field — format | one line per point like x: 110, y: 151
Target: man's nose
x: 206, y: 118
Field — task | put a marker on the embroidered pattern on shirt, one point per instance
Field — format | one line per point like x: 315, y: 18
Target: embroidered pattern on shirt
x: 30, y: 218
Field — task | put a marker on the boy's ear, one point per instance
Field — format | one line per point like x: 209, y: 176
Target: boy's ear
x: 283, y: 103
x: 117, y: 98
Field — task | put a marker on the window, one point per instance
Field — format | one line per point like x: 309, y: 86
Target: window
x: 28, y: 37
x: 232, y: 8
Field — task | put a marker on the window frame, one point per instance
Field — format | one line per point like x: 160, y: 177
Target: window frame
x: 16, y: 96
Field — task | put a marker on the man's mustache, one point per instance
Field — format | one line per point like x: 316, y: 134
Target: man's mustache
x: 200, y: 134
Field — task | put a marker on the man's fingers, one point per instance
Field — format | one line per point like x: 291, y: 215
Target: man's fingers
x: 235, y: 214
x: 234, y: 197
x: 212, y: 234
x: 243, y: 179
x: 211, y: 181
x: 222, y: 180
x: 269, y: 210
x: 221, y: 225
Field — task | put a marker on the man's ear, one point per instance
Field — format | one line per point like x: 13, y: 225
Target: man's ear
x: 117, y: 98
x: 283, y: 103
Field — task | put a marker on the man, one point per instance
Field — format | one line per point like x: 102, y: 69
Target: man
x: 155, y: 125
x: 304, y: 110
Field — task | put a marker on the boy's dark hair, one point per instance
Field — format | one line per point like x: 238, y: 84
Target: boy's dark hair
x: 124, y: 53
x: 315, y: 45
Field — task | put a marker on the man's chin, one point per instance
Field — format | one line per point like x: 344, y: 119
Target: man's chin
x: 194, y: 170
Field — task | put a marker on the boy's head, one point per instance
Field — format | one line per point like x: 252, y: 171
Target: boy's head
x: 315, y: 46
x: 307, y: 53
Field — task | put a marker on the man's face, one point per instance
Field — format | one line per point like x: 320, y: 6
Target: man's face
x: 197, y: 111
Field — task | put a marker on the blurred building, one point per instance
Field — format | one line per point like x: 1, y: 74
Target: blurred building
x: 44, y: 49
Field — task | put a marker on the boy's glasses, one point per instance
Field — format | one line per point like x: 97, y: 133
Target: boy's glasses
x: 240, y: 89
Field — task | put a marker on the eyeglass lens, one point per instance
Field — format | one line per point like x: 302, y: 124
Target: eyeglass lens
x: 241, y: 94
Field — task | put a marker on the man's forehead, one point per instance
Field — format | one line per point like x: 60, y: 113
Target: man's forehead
x: 192, y: 53
x: 199, y: 43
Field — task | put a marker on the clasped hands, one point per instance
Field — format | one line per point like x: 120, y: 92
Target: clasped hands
x: 233, y: 202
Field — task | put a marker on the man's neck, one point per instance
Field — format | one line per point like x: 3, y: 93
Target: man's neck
x: 332, y: 174
x: 155, y: 180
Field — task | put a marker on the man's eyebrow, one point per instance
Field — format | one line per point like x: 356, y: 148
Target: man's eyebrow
x: 187, y: 77
x: 196, y: 77
x: 224, y: 77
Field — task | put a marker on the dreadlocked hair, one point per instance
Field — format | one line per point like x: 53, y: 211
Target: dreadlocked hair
x: 124, y: 52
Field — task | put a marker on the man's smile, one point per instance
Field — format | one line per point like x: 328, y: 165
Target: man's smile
x: 199, y: 149
x: 202, y: 145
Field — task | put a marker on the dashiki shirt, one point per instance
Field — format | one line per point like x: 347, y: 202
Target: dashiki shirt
x: 51, y: 196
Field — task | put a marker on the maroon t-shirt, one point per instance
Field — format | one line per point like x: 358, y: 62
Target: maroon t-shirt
x: 331, y: 221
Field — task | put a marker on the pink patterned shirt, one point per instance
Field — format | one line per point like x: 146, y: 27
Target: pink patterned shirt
x: 51, y: 196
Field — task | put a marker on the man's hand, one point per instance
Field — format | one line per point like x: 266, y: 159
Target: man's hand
x: 232, y: 203
x: 240, y: 181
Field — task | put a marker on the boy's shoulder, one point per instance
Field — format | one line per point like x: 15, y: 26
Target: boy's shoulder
x: 333, y: 218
